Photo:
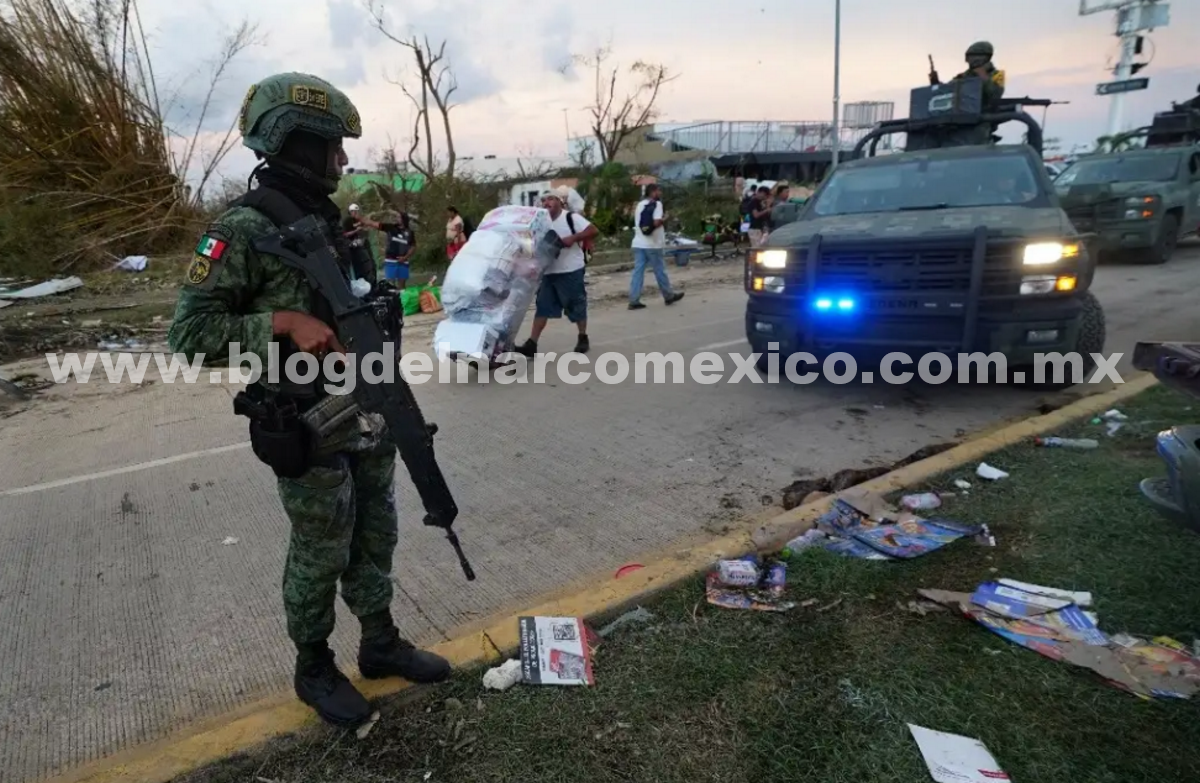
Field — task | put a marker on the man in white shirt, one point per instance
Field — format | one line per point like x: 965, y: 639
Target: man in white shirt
x: 649, y: 239
x: 562, y: 288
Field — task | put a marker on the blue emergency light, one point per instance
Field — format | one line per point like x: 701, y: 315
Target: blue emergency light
x: 826, y: 304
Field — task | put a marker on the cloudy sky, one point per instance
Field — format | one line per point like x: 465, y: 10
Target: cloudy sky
x: 736, y: 60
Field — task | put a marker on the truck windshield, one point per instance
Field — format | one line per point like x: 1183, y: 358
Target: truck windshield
x: 1135, y: 168
x: 994, y: 180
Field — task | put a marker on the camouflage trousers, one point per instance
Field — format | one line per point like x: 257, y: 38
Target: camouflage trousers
x: 344, y: 528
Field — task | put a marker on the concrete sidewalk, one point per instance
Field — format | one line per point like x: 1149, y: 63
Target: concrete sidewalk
x: 126, y: 618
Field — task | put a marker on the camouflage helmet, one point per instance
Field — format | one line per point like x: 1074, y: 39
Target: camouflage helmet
x: 280, y: 104
x: 979, y: 53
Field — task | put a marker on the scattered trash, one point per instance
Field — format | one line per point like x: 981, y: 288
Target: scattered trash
x: 1066, y: 443
x: 809, y: 602
x: 833, y: 605
x: 360, y: 287
x: 555, y: 651
x: 921, y: 607
x: 962, y: 484
x: 229, y: 541
x: 952, y: 758
x: 776, y: 579
x: 504, y: 676
x: 1114, y: 415
x: 132, y: 263
x: 8, y: 387
x: 764, y: 593
x: 362, y: 731
x: 921, y: 502
x: 1081, y: 599
x: 986, y: 471
x: 113, y: 345
x: 48, y: 288
x: 738, y: 573
x: 1058, y: 628
x: 800, y: 543
x: 856, y: 533
x: 638, y: 615
x: 627, y: 569
x: 1114, y: 427
x: 985, y: 537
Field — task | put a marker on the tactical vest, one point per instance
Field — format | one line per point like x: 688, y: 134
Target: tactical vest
x: 282, y: 211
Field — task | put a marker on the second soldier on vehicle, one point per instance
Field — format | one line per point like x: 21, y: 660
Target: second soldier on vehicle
x: 337, y: 493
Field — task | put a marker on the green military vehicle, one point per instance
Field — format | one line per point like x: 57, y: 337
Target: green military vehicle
x: 956, y: 245
x: 1139, y: 203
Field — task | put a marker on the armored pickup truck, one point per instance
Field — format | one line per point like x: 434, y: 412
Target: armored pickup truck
x: 956, y: 245
x: 1138, y: 204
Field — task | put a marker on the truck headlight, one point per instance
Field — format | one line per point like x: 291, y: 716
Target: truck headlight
x: 772, y: 285
x: 1045, y: 284
x: 1140, y: 207
x: 772, y: 259
x: 1045, y: 253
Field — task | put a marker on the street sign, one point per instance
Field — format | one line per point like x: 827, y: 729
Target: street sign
x: 1125, y: 85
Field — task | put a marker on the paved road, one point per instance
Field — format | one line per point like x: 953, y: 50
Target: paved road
x: 126, y: 617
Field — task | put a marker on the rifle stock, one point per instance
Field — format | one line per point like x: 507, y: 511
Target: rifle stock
x: 303, y: 246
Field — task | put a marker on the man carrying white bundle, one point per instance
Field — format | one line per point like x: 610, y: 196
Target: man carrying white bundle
x: 562, y: 289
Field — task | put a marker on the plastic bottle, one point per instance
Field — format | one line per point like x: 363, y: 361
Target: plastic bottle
x: 922, y: 502
x: 800, y: 543
x: 1067, y: 443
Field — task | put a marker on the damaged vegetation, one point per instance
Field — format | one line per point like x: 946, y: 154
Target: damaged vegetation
x: 87, y: 173
x: 800, y: 491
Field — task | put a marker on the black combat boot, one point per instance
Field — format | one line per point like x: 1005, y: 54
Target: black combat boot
x: 384, y: 654
x: 320, y: 685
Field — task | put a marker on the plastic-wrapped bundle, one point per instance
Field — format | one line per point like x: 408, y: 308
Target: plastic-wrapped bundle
x: 493, y: 279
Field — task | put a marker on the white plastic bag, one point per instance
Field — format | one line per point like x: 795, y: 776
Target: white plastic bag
x: 494, y: 278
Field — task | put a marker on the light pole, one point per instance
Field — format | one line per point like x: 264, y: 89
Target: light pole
x: 837, y: 55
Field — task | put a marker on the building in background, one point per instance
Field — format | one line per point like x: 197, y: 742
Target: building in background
x: 797, y: 151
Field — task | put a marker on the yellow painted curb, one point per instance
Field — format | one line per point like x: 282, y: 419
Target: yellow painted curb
x: 243, y: 729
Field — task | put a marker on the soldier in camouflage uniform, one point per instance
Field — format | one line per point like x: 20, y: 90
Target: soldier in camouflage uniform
x: 341, y: 507
x: 979, y: 65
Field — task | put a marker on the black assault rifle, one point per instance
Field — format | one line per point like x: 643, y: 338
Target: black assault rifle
x: 303, y: 246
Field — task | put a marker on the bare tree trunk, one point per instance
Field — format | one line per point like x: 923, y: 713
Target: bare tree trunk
x: 437, y: 82
x: 613, y: 120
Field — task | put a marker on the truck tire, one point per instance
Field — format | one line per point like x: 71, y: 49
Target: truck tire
x: 1168, y: 238
x: 1092, y: 328
x: 1092, y: 335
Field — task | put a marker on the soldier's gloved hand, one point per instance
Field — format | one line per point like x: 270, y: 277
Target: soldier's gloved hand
x: 309, y: 334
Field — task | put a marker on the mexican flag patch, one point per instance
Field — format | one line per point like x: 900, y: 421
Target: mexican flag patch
x: 211, y: 247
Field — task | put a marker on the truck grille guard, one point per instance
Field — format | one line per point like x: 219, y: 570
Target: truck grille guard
x: 923, y: 279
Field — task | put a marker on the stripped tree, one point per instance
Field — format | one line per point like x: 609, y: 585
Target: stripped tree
x: 615, y: 118
x: 437, y: 86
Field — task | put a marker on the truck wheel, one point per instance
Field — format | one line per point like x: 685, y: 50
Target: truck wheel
x: 1091, y: 339
x: 1092, y: 328
x: 1168, y: 238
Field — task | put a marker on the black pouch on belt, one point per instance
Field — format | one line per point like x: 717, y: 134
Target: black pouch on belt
x: 277, y: 435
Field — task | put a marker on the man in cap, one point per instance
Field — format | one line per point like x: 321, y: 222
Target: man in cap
x: 979, y: 65
x: 562, y: 289
x: 339, y: 499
